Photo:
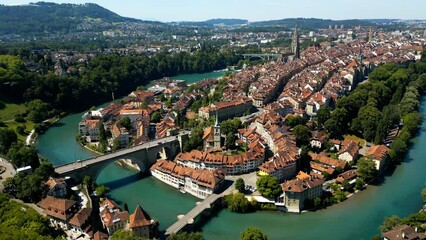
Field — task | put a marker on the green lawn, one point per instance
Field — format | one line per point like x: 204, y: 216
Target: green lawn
x: 28, y: 127
x: 8, y: 110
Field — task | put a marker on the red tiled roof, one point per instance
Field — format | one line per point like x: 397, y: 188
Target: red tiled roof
x: 139, y: 218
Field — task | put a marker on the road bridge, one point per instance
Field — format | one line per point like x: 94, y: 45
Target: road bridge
x: 264, y: 56
x: 143, y: 156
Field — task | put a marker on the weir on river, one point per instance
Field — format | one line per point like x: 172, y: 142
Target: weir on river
x: 358, y: 217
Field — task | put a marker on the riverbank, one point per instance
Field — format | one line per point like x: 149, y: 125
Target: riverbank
x: 127, y: 163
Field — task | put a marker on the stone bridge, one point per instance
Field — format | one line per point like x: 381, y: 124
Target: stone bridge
x: 264, y: 56
x: 143, y: 156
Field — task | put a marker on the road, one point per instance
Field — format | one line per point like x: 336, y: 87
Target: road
x: 82, y: 163
x: 9, y: 171
x: 251, y: 116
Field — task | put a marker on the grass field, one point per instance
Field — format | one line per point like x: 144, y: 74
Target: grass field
x: 8, y: 111
x: 28, y: 127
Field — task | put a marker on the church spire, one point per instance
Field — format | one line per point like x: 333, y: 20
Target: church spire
x: 295, y: 45
x: 217, y: 120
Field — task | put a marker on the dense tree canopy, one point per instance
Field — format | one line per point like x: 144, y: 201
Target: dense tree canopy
x: 238, y: 203
x: 230, y: 126
x: 125, y: 235
x: 22, y: 156
x: 269, y: 186
x: 186, y: 236
x: 7, y: 137
x: 102, y: 75
x: 303, y: 135
x: 252, y: 233
x: 21, y: 222
x: 366, y: 169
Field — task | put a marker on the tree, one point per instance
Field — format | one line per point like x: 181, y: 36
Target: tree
x: 116, y: 144
x: 155, y: 117
x: 240, y: 185
x: 18, y: 221
x: 87, y: 180
x: 45, y: 170
x: 253, y: 233
x: 7, y: 137
x: 101, y: 190
x: 346, y: 186
x: 340, y: 196
x: 366, y: 169
x: 186, y: 236
x: 21, y: 155
x: 303, y: 135
x: 195, y: 140
x: 359, y: 184
x: 230, y: 126
x: 20, y: 129
x: 323, y: 114
x: 144, y: 105
x: 230, y: 141
x: 398, y: 149
x: 103, y: 138
x: 389, y: 223
x: 293, y: 121
x: 338, y: 122
x: 237, y: 203
x: 369, y: 117
x: 38, y: 110
x: 269, y: 186
x: 305, y: 159
x: 125, y: 235
x: 126, y: 123
x: 412, y: 122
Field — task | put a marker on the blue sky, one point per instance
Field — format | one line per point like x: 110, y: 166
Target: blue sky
x: 255, y: 10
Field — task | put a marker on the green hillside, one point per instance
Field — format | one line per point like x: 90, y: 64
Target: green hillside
x: 44, y: 18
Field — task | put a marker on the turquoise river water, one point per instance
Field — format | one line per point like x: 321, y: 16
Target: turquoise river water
x: 356, y: 218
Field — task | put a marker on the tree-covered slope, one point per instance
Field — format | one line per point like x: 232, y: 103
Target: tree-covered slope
x: 43, y: 17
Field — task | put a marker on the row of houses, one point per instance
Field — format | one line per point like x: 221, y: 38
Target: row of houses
x: 200, y: 183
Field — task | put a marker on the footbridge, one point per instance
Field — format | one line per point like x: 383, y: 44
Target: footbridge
x: 143, y: 156
x: 189, y: 217
x: 264, y: 56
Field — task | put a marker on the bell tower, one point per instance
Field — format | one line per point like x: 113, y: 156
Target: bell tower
x: 216, y: 131
x: 295, y: 45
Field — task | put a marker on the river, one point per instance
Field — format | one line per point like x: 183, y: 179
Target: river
x: 357, y: 217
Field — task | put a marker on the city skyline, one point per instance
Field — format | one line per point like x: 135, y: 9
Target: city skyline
x: 191, y: 10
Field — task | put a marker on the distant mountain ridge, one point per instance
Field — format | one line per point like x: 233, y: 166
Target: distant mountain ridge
x: 45, y: 17
x: 215, y: 22
x: 312, y: 23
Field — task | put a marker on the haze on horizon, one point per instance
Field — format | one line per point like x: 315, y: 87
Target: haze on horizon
x: 255, y: 10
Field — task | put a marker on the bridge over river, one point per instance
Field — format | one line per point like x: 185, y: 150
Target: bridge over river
x: 143, y: 156
x: 199, y: 208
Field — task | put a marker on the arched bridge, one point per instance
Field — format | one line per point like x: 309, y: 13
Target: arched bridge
x: 264, y: 56
x: 143, y: 155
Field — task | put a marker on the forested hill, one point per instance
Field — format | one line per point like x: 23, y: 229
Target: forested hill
x: 307, y: 23
x: 45, y: 18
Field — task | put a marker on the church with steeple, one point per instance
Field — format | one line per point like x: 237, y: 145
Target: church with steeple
x: 295, y: 44
x: 212, y: 136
